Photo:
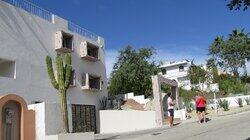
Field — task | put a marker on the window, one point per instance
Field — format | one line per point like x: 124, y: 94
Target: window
x: 92, y: 50
x: 67, y: 41
x: 181, y: 68
x: 7, y: 68
x: 94, y: 82
x: 63, y: 42
x: 89, y: 51
x: 73, y: 79
x: 164, y: 71
x: 91, y: 82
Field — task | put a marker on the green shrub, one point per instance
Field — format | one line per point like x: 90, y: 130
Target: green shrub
x: 247, y: 100
x: 187, y: 95
x: 240, y: 102
x: 189, y: 106
x: 220, y: 103
x: 225, y: 105
x: 103, y: 103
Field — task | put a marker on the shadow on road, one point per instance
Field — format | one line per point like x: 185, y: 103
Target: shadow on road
x: 207, y: 120
x: 177, y: 124
x: 248, y: 138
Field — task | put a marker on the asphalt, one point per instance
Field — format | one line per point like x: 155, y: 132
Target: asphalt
x: 231, y: 127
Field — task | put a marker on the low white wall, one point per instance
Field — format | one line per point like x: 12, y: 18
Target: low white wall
x: 72, y: 136
x: 233, y: 102
x: 180, y: 114
x: 112, y: 121
x: 39, y: 120
x: 140, y: 98
x: 48, y: 119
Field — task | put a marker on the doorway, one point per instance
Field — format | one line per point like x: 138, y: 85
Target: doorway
x: 11, y: 120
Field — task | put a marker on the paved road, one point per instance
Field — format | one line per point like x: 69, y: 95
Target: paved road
x: 233, y: 127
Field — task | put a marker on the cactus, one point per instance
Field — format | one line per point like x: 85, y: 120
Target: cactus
x: 62, y: 82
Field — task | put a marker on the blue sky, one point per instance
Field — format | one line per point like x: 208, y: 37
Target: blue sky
x: 178, y: 29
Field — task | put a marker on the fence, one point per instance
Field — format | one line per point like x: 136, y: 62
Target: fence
x: 81, y: 31
x: 31, y: 8
x: 38, y: 11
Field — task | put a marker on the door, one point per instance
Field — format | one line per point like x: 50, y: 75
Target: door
x: 11, y: 116
x: 84, y: 118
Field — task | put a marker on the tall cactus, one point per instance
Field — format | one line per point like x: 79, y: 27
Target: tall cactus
x: 61, y: 82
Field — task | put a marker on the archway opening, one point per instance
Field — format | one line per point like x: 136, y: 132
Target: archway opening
x: 11, y: 121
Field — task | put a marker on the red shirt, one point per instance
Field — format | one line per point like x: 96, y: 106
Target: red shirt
x: 200, y: 102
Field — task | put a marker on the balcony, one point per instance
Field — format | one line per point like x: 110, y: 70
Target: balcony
x: 50, y: 17
x: 183, y: 73
x: 91, y: 82
x: 89, y: 51
x: 31, y: 8
x: 63, y: 42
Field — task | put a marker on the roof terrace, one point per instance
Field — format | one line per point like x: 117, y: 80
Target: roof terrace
x: 46, y: 15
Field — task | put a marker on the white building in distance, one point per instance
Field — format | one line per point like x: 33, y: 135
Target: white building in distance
x: 178, y: 70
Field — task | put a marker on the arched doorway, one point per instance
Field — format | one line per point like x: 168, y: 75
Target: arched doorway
x: 11, y: 117
x: 17, y: 122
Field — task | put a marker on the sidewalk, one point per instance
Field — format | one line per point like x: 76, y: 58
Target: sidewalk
x: 154, y: 131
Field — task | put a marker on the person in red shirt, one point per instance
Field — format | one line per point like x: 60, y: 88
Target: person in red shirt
x: 201, y: 102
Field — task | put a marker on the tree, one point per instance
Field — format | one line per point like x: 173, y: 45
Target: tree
x: 64, y: 71
x: 132, y: 72
x: 230, y: 53
x: 231, y: 84
x: 212, y: 68
x: 238, y: 4
x: 197, y: 74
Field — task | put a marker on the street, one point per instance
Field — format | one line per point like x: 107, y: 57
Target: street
x: 233, y: 127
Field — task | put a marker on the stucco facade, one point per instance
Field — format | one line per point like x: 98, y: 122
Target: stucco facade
x: 177, y: 71
x: 27, y: 39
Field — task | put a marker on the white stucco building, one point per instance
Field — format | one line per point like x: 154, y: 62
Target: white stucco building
x: 178, y: 71
x: 28, y: 34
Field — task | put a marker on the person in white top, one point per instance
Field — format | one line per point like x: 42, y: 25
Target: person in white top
x: 171, y: 104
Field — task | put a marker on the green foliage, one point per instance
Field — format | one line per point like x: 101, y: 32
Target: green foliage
x: 247, y: 100
x: 238, y: 4
x: 187, y: 95
x: 213, y: 70
x: 220, y: 103
x: 224, y: 104
x: 132, y: 72
x: 189, y: 106
x: 165, y: 88
x: 230, y: 53
x: 240, y: 102
x: 231, y: 84
x: 103, y: 103
x: 197, y: 74
x: 64, y: 70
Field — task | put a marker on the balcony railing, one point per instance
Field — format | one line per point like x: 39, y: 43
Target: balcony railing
x: 36, y: 10
x: 81, y: 31
x: 31, y: 8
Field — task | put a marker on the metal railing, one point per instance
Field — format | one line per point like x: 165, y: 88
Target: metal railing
x: 81, y: 31
x: 36, y: 10
x: 31, y: 8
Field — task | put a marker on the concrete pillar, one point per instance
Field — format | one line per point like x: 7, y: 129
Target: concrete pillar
x: 157, y: 101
